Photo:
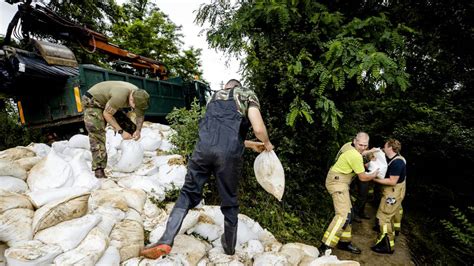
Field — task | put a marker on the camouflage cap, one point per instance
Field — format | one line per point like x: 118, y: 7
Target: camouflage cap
x: 141, y: 98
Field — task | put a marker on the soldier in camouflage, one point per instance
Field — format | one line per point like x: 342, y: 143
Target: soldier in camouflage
x: 219, y: 151
x: 105, y: 103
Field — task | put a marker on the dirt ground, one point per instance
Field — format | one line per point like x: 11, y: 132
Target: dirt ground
x: 363, y: 237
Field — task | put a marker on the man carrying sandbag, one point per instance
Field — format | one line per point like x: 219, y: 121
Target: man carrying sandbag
x: 349, y: 162
x: 390, y: 211
x: 102, y: 103
x: 218, y: 151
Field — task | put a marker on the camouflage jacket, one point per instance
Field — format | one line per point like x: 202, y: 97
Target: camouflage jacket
x: 244, y: 98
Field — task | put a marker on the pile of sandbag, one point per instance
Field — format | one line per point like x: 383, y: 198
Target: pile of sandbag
x: 54, y: 211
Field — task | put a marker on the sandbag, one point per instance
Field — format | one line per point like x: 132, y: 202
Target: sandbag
x: 11, y: 168
x: 131, y: 157
x: 192, y: 248
x: 3, y: 260
x: 59, y: 146
x: 32, y: 253
x: 380, y: 163
x: 166, y: 145
x: 145, y: 183
x: 296, y: 252
x: 172, y: 176
x: 111, y: 257
x: 164, y: 159
x: 128, y: 237
x: 113, y: 140
x: 28, y: 162
x: 40, y: 149
x: 10, y: 200
x: 118, y: 198
x: 13, y: 184
x: 252, y: 248
x: 79, y: 141
x: 217, y: 257
x: 56, y: 212
x: 328, y: 259
x: 270, y: 258
x: 109, y: 217
x: 16, y: 153
x: 42, y: 197
x: 153, y: 215
x: 148, y: 168
x: 270, y: 174
x: 51, y: 172
x: 150, y: 143
x: 88, y: 252
x: 15, y: 226
x: 70, y: 233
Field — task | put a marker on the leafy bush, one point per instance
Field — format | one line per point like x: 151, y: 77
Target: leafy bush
x: 12, y: 132
x: 462, y: 232
x: 186, y: 124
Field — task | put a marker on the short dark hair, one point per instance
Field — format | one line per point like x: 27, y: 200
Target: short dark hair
x: 232, y: 83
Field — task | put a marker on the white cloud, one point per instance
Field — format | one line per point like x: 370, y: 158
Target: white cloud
x: 181, y: 13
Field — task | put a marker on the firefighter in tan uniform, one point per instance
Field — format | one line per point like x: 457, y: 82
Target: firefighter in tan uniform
x: 393, y: 192
x: 349, y: 162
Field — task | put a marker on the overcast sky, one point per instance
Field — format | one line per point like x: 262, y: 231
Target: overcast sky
x: 181, y: 13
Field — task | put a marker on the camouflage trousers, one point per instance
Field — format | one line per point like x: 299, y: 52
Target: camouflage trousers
x: 95, y: 124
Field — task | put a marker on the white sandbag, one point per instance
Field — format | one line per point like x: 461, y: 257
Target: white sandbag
x: 28, y: 162
x: 16, y: 153
x: 131, y: 157
x: 113, y: 140
x: 15, y: 226
x: 164, y: 159
x: 109, y: 217
x: 79, y: 165
x: 51, y: 172
x: 145, y: 183
x: 252, y: 248
x: 87, y: 180
x: 192, y: 248
x: 13, y: 184
x: 166, y: 145
x: 270, y: 174
x: 128, y: 237
x: 328, y: 259
x: 79, y: 141
x: 150, y: 143
x: 157, y: 232
x: 119, y: 198
x: 379, y: 163
x: 56, y: 212
x: 148, y: 168
x: 113, y: 156
x: 217, y: 257
x: 270, y: 258
x: 111, y: 257
x: 59, y: 146
x: 70, y: 233
x: 152, y: 215
x: 88, y: 252
x: 208, y: 231
x: 32, y: 253
x: 133, y: 215
x: 42, y: 197
x: 10, y: 200
x: 172, y: 176
x: 11, y: 168
x: 295, y: 252
x: 40, y: 149
x: 270, y: 243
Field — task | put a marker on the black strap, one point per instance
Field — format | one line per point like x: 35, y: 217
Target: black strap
x: 88, y: 95
x: 231, y: 94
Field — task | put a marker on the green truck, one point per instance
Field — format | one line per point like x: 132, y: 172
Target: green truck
x: 56, y: 105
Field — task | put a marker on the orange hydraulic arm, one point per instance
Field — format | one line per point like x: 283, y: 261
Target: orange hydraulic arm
x: 42, y: 20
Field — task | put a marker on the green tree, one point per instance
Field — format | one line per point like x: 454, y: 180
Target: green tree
x: 307, y: 64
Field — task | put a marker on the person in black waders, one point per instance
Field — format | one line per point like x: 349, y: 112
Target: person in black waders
x: 218, y: 151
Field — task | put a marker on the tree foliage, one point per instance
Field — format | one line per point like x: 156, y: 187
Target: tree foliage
x: 137, y: 26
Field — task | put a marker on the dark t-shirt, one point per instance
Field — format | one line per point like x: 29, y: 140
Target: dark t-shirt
x: 397, y: 168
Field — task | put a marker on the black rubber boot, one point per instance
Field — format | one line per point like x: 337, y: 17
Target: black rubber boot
x: 229, y: 238
x: 99, y: 173
x: 172, y: 226
x: 383, y: 246
x: 322, y: 249
x: 347, y: 246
